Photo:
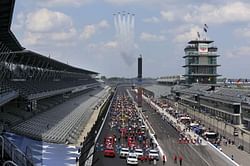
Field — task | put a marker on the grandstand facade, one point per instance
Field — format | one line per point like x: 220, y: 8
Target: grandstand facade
x: 201, y: 62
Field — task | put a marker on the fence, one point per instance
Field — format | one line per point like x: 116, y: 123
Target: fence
x: 16, y: 155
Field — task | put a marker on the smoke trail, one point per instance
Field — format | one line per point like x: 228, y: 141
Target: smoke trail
x: 124, y: 25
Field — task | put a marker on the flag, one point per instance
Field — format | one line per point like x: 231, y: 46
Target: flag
x: 205, y: 28
x: 198, y: 34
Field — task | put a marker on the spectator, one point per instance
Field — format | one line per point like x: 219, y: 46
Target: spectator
x: 163, y: 159
x: 180, y: 159
x: 175, y: 159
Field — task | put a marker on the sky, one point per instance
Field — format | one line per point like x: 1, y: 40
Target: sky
x: 82, y: 33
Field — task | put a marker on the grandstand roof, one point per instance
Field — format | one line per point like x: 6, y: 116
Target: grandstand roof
x: 6, y: 36
x: 30, y: 58
x: 26, y: 57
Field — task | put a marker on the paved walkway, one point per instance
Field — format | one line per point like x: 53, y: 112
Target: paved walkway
x: 179, y: 126
x: 241, y: 157
x: 93, y: 117
x: 220, y: 126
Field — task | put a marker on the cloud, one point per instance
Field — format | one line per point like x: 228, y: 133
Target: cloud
x: 225, y: 13
x: 122, y: 2
x: 151, y: 37
x: 43, y: 27
x: 64, y: 35
x: 242, y: 32
x: 147, y: 3
x: 186, y: 33
x: 45, y: 20
x: 242, y: 51
x: 90, y: 30
x: 20, y: 19
x: 103, y: 24
x: 151, y: 20
x: 167, y: 15
x: 56, y: 3
x: 111, y: 44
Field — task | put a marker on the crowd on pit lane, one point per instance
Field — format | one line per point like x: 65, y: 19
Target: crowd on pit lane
x: 190, y: 123
x: 128, y: 136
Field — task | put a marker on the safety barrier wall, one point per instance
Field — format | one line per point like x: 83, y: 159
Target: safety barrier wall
x: 222, y: 155
x: 89, y: 141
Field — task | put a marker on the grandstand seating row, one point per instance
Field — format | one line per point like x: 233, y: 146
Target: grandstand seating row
x: 8, y: 118
x: 26, y: 88
x: 61, y: 124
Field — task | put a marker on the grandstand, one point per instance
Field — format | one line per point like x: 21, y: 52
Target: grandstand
x: 33, y: 87
x: 42, y: 100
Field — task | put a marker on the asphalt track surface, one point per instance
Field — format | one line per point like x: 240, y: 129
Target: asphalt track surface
x: 167, y: 137
x: 99, y: 159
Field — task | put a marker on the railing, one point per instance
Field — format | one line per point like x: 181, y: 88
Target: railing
x: 7, y: 96
x: 9, y: 162
x: 18, y: 157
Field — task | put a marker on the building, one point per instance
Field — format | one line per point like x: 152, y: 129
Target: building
x: 171, y: 80
x: 245, y: 108
x: 201, y: 62
x: 229, y: 104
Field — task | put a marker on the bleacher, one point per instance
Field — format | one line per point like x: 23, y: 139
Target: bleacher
x: 8, y: 118
x: 220, y: 93
x: 231, y: 95
x: 62, y: 123
x: 38, y: 94
x: 27, y: 88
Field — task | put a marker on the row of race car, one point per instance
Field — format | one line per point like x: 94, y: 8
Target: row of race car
x: 128, y: 137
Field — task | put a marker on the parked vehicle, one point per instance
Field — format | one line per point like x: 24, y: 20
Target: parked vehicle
x: 139, y: 153
x: 109, y: 151
x: 153, y: 154
x: 124, y: 152
x: 132, y: 159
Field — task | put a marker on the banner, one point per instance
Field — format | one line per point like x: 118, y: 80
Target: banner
x: 203, y: 48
